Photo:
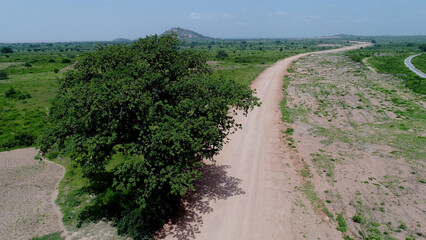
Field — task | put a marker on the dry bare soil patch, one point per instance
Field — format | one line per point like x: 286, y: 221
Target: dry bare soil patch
x: 28, y: 191
x: 357, y: 139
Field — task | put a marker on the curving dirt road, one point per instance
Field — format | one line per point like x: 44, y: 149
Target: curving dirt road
x: 408, y: 63
x: 245, y: 194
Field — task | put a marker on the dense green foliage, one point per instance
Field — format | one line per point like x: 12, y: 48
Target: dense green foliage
x: 3, y: 75
x: 423, y: 47
x: 155, y: 105
x: 6, y: 50
x: 420, y: 62
x: 221, y: 54
x: 12, y: 93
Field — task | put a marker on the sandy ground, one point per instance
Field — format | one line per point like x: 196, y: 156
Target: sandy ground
x: 246, y: 194
x: 346, y: 136
x: 67, y: 68
x: 328, y: 45
x: 28, y: 191
x: 5, y: 65
x: 365, y: 61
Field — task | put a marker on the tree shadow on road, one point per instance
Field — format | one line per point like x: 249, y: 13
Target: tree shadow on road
x: 214, y: 185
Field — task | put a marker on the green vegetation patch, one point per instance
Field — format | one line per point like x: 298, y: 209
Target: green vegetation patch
x: 24, y: 101
x: 324, y: 164
x: 243, y: 74
x: 309, y: 190
x: 52, y: 236
x: 3, y: 75
x: 342, y: 225
x: 420, y: 62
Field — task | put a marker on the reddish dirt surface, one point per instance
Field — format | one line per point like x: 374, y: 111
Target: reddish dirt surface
x: 362, y: 154
x: 246, y: 194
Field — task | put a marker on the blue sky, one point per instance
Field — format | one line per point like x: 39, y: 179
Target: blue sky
x: 80, y: 20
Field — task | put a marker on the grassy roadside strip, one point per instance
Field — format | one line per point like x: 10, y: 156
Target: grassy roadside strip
x: 73, y: 196
x: 306, y: 187
x: 285, y: 110
x: 420, y: 62
x: 391, y: 61
x: 395, y: 65
x: 52, y: 236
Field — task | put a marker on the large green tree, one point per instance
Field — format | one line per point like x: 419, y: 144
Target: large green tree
x: 156, y: 105
x: 6, y: 50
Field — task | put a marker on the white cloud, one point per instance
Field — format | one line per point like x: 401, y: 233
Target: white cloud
x: 282, y: 13
x: 226, y: 16
x: 211, y: 15
x: 279, y: 13
x: 194, y: 16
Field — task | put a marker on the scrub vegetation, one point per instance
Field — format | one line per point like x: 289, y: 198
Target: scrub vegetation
x: 365, y: 133
x: 420, y: 62
x: 388, y: 55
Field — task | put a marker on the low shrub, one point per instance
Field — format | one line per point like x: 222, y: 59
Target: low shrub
x: 3, y: 75
x: 14, y: 94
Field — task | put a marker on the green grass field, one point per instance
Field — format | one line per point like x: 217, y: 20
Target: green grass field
x: 22, y: 120
x: 26, y: 94
x: 420, y: 62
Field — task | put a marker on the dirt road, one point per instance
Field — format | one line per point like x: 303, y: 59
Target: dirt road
x: 245, y: 195
x: 408, y: 63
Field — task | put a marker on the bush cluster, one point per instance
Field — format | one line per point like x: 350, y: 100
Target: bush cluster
x: 12, y: 93
x: 3, y: 75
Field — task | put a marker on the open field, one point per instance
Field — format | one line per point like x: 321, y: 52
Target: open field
x: 357, y: 139
x: 28, y: 191
x: 25, y: 96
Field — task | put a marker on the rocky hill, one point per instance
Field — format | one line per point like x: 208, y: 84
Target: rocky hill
x: 185, y: 34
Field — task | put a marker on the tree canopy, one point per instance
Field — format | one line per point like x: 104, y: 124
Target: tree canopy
x: 157, y: 106
x: 6, y: 50
x: 3, y: 75
x: 222, y: 54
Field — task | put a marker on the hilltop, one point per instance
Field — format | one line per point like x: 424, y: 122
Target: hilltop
x: 122, y: 40
x: 185, y: 34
